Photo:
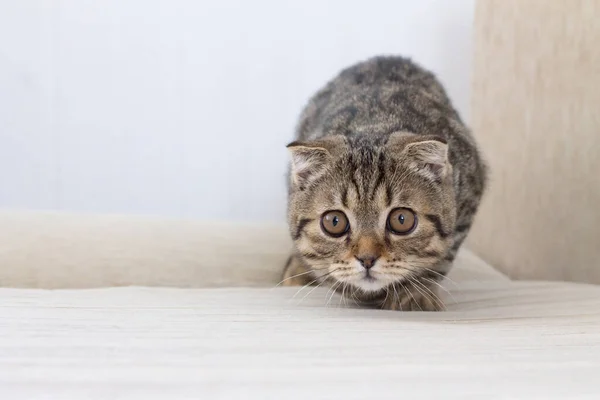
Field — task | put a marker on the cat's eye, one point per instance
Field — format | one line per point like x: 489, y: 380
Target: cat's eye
x: 402, y: 221
x: 334, y: 223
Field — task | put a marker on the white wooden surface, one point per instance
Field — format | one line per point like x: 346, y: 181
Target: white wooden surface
x: 500, y: 340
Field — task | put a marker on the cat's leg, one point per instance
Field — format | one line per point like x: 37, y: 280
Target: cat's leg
x: 296, y: 273
x: 413, y: 296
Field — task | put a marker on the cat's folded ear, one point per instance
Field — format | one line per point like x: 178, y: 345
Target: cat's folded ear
x: 310, y: 158
x: 425, y: 154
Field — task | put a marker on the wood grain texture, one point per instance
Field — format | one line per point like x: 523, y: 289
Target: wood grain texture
x: 536, y: 113
x: 499, y: 340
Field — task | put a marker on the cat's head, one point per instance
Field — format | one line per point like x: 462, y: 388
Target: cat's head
x: 370, y: 213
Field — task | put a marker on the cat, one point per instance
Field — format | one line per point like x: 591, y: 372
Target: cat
x: 385, y: 180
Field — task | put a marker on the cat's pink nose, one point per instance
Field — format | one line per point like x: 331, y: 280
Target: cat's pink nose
x: 367, y: 261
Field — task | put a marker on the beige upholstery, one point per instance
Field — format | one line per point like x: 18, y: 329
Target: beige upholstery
x: 48, y: 250
x: 536, y: 112
x: 56, y: 250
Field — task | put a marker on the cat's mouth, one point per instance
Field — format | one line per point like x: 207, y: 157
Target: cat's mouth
x: 370, y: 281
x: 367, y: 280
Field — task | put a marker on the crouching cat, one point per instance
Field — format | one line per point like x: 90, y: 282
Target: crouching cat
x: 385, y: 180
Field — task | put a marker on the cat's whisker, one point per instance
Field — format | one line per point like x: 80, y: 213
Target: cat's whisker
x: 417, y: 271
x: 313, y: 289
x: 442, y: 287
x: 292, y: 277
x: 434, y: 294
x: 304, y: 287
x: 310, y: 291
x: 332, y: 289
x: 311, y: 282
x: 346, y: 299
x: 342, y: 296
x: 434, y: 298
x: 397, y: 296
x: 387, y: 293
x: 329, y: 290
x: 356, y: 300
x: 425, y: 295
x: 411, y: 295
x: 442, y: 276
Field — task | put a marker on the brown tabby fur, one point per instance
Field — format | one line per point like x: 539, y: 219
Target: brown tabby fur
x: 381, y: 135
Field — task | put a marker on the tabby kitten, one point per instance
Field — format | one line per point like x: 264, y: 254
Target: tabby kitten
x: 385, y: 181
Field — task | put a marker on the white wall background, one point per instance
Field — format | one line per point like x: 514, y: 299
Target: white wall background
x: 183, y: 108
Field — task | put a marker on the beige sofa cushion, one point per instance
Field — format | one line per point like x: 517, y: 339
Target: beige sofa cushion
x: 64, y: 250
x: 536, y: 102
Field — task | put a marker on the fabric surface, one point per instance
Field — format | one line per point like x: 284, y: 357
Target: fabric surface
x: 62, y: 250
x: 535, y: 104
x: 499, y: 340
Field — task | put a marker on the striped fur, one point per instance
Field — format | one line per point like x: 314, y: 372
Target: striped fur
x: 381, y: 135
